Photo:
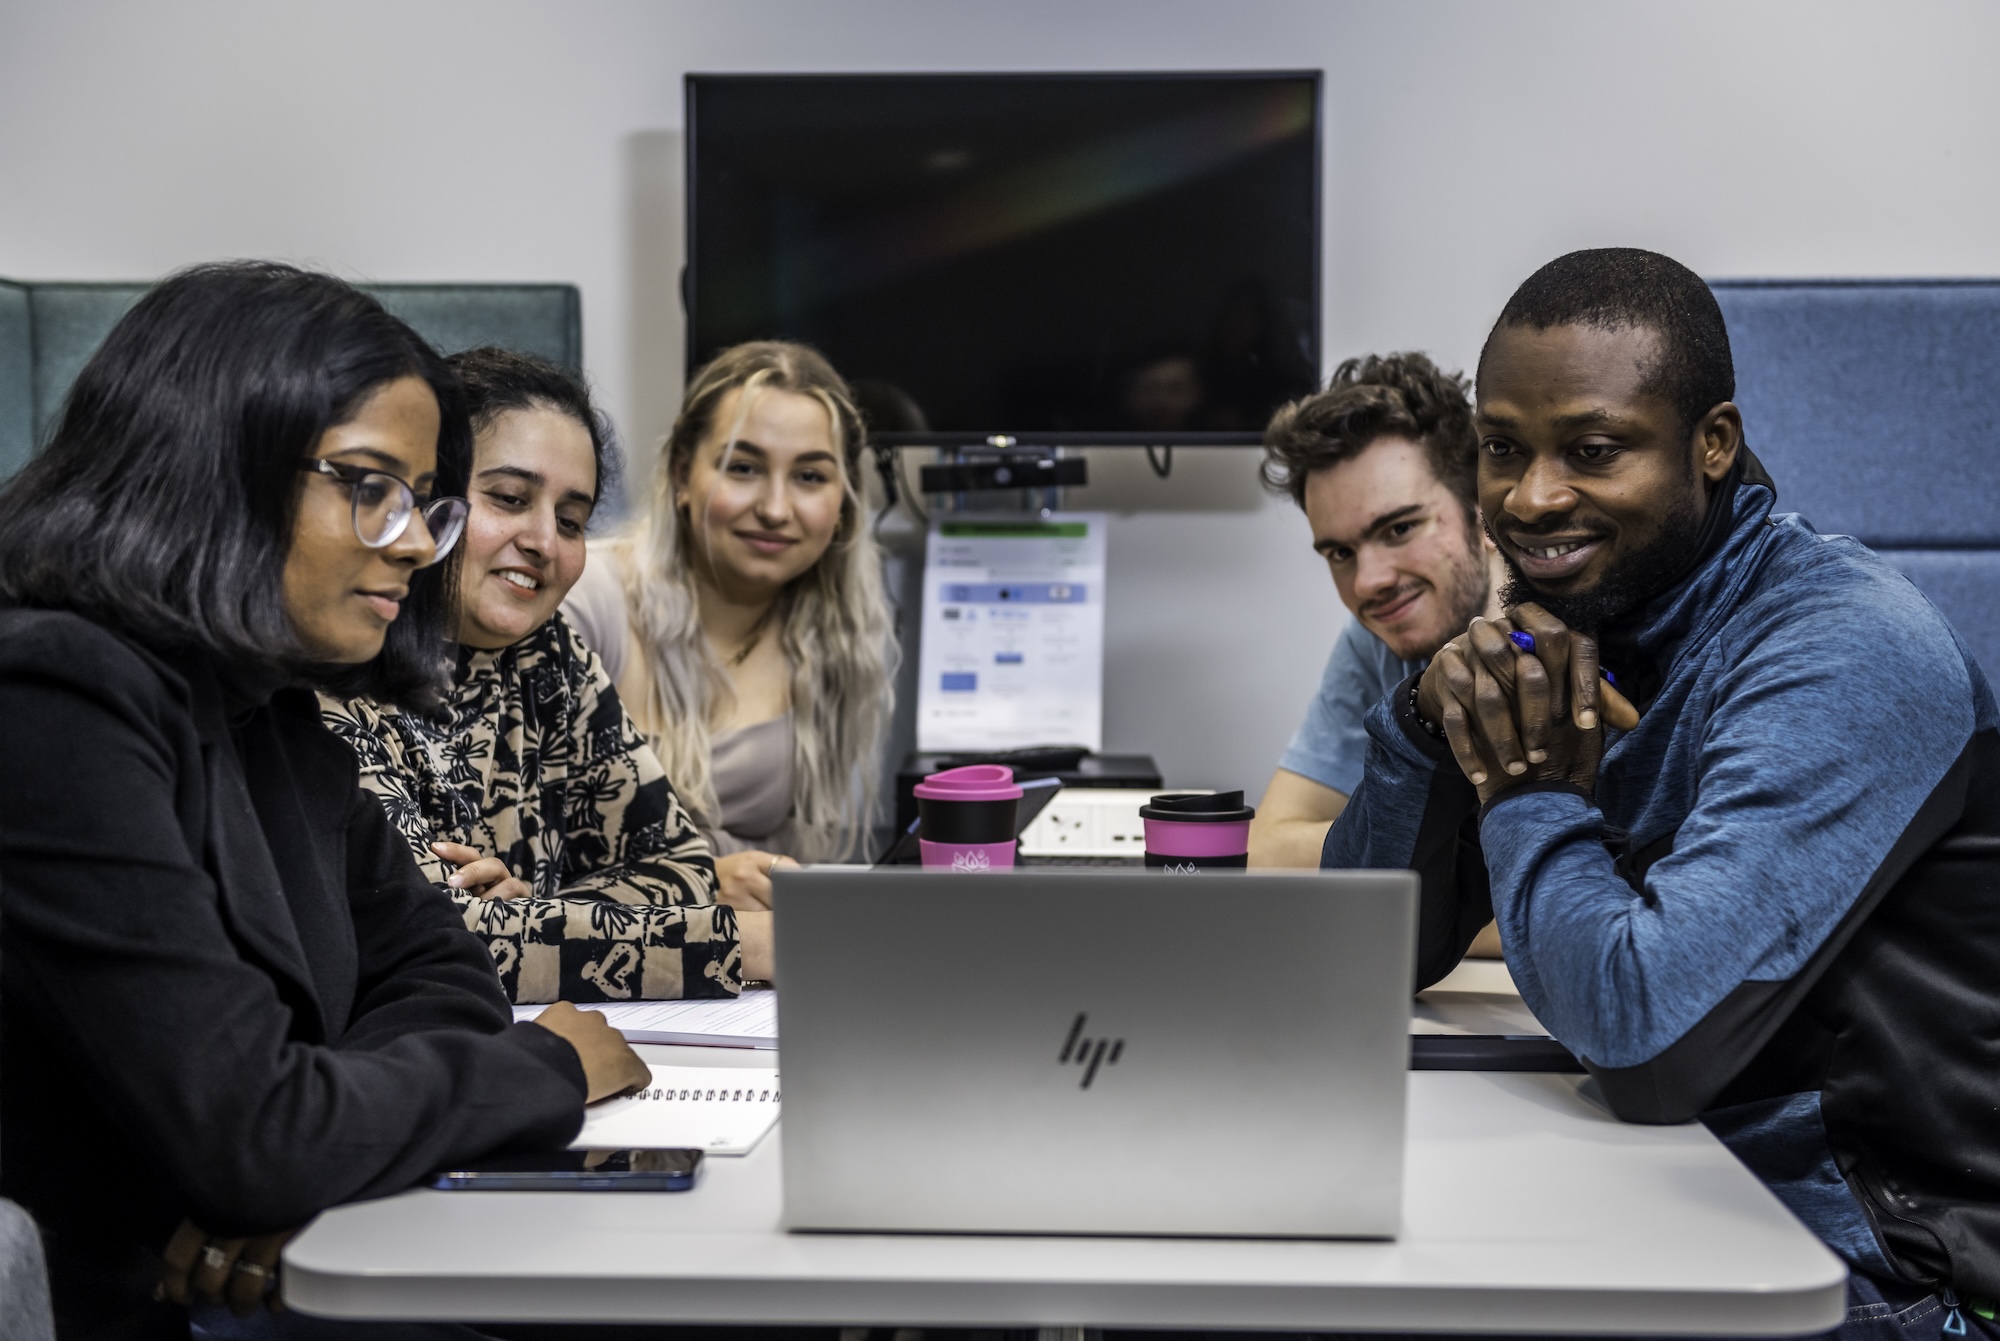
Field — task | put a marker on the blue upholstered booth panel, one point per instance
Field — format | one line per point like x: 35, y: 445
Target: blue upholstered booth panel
x: 1964, y: 584
x: 1876, y: 405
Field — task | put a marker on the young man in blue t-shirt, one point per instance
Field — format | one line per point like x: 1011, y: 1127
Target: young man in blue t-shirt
x: 1383, y: 463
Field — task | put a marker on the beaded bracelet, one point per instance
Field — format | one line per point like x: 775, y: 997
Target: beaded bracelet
x: 1434, y: 732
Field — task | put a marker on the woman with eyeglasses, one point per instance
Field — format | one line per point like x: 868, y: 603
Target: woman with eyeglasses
x: 530, y: 796
x: 230, y: 999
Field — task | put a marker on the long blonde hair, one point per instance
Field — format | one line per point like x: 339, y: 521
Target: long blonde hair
x: 835, y: 631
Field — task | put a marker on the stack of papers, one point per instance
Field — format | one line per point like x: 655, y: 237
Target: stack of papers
x: 747, y: 1021
x: 722, y: 1110
x: 1476, y: 998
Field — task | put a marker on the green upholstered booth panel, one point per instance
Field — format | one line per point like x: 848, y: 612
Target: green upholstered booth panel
x: 544, y: 319
x: 17, y: 379
x: 60, y: 325
x: 70, y: 322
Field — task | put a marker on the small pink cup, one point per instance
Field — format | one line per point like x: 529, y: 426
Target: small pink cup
x: 1193, y: 831
x: 966, y: 818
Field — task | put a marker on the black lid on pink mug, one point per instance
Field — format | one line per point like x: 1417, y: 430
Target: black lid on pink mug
x: 1199, y: 808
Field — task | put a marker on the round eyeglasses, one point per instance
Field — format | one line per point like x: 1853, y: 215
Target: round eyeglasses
x: 383, y: 506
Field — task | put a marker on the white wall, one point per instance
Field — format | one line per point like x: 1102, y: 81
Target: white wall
x: 1467, y: 142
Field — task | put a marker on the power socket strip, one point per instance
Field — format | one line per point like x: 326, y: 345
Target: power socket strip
x: 1090, y: 822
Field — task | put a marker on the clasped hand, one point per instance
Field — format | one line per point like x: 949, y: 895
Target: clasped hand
x: 1514, y: 716
x: 201, y: 1268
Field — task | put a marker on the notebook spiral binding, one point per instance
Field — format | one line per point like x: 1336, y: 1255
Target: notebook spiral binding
x: 724, y: 1095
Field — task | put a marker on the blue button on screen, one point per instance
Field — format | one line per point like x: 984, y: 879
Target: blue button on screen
x: 960, y: 682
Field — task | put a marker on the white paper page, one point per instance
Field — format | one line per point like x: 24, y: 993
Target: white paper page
x: 750, y: 1020
x: 723, y: 1110
x: 1013, y: 637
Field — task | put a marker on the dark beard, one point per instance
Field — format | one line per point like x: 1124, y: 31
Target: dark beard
x: 1634, y: 581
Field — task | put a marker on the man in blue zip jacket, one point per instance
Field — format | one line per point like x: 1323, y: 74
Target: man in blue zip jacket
x: 1774, y: 901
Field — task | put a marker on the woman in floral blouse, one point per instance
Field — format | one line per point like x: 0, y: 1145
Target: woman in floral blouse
x: 531, y: 796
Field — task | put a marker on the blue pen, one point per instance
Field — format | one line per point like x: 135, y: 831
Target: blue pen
x: 1526, y: 642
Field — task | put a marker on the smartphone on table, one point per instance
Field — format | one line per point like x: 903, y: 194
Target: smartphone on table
x: 647, y: 1170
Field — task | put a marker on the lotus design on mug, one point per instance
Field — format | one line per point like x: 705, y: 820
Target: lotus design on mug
x: 971, y: 861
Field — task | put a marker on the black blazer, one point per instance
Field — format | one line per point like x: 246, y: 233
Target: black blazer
x: 228, y: 992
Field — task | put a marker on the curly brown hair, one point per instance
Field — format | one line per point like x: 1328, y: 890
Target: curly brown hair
x: 1381, y: 395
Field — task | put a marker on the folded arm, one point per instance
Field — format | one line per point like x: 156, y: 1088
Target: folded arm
x: 120, y: 947
x: 1821, y: 770
x: 593, y: 949
x: 1292, y: 820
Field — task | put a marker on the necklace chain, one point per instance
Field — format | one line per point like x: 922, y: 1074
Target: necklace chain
x: 755, y: 636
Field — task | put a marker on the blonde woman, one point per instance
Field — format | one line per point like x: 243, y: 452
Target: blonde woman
x: 743, y: 618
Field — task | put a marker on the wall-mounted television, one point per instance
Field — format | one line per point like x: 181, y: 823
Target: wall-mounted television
x: 1063, y: 259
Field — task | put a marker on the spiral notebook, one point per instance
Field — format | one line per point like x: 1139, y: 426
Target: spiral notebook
x: 746, y: 1021
x: 722, y: 1110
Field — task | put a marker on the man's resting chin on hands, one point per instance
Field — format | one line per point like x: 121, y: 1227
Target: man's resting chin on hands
x: 1517, y: 717
x: 1768, y: 904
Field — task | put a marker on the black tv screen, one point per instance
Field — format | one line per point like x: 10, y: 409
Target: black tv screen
x: 1063, y: 259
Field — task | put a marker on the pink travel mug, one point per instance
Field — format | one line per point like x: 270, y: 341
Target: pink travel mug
x: 966, y: 818
x: 1189, y: 831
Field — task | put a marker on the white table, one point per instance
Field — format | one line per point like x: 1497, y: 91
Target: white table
x: 1528, y: 1208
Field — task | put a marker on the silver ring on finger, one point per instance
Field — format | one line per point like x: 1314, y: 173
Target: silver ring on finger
x: 252, y: 1269
x: 214, y: 1258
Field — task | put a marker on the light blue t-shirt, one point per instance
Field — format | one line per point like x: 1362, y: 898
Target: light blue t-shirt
x: 1332, y: 742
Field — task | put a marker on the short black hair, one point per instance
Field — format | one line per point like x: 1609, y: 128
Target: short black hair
x: 1405, y: 395
x: 163, y: 505
x: 498, y: 380
x: 1619, y: 287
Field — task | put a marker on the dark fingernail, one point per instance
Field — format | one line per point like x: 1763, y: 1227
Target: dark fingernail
x: 1524, y: 641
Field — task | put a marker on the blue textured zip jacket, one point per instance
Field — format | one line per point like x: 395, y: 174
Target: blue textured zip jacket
x: 1783, y: 900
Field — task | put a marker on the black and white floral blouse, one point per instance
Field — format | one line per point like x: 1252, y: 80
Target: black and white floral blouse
x: 534, y: 760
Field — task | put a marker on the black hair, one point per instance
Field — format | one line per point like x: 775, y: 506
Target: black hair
x: 498, y: 380
x: 1405, y: 395
x: 1620, y: 287
x: 163, y: 505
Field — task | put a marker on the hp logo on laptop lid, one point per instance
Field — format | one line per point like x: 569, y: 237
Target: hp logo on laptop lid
x: 1089, y: 1053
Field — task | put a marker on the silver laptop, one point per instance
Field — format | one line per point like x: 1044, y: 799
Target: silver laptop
x: 1095, y: 1052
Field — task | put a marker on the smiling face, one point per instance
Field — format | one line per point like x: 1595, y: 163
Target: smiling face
x: 766, y: 509
x: 1591, y: 487
x: 1404, y: 555
x: 340, y: 595
x: 534, y: 483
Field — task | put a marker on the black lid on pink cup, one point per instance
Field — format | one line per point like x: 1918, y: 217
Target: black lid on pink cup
x: 1199, y: 808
